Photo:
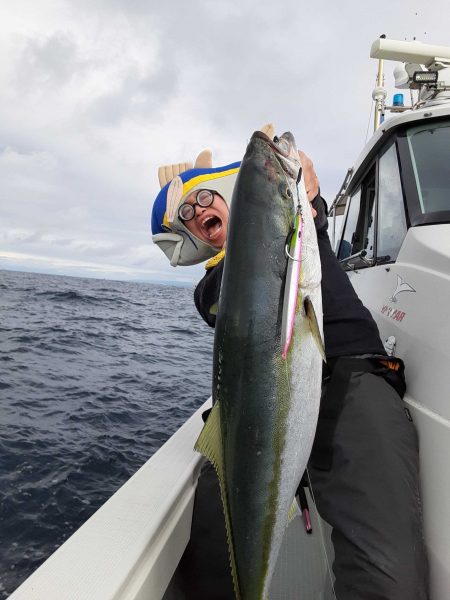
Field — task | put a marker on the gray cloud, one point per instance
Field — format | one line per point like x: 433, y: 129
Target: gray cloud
x: 138, y: 96
x: 97, y: 95
x: 49, y: 60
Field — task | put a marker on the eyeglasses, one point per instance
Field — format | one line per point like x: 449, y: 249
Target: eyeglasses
x: 203, y: 198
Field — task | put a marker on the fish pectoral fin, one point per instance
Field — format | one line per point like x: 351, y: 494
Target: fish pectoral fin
x: 209, y: 443
x: 314, y: 325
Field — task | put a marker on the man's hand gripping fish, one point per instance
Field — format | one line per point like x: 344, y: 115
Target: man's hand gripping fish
x: 267, y: 358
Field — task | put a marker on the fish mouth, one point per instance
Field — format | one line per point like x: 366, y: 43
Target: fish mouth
x: 285, y: 150
x: 211, y: 226
x: 284, y: 145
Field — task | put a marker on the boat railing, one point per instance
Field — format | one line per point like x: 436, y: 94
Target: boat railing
x: 130, y: 548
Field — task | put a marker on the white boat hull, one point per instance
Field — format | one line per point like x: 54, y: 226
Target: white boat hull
x: 418, y: 321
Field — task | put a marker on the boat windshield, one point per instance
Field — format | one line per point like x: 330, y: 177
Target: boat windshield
x: 429, y: 147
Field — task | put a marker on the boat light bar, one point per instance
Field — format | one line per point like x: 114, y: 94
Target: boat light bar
x: 425, y: 77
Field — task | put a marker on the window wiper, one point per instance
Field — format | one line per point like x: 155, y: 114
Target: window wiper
x: 358, y: 256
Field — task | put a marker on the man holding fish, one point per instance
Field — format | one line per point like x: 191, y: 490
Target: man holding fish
x: 363, y: 466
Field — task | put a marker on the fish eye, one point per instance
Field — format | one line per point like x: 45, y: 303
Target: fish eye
x: 288, y: 192
x: 276, y: 139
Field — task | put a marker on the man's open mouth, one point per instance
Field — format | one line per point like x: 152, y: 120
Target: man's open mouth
x: 211, y: 226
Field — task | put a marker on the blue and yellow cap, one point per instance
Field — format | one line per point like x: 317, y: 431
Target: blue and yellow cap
x: 179, y: 245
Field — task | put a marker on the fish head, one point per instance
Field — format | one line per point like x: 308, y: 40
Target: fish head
x: 288, y: 154
x: 283, y: 152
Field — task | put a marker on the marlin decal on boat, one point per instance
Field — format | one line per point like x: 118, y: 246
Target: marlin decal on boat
x: 402, y: 286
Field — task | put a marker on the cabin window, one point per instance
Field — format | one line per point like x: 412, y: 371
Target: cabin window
x: 429, y: 147
x: 391, y: 213
x: 358, y: 240
x: 345, y: 248
x: 364, y: 239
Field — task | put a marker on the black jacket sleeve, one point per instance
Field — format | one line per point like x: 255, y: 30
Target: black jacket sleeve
x: 206, y: 294
x: 349, y: 328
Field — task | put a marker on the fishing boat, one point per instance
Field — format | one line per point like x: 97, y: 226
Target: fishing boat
x: 394, y: 242
x: 391, y: 232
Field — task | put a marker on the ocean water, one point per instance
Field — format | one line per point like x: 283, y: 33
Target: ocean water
x: 95, y: 376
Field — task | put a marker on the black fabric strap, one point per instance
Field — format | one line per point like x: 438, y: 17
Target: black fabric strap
x: 336, y: 376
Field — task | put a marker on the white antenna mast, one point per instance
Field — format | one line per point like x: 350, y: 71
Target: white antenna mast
x: 379, y: 93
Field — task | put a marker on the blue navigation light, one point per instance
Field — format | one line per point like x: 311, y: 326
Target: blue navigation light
x: 398, y: 100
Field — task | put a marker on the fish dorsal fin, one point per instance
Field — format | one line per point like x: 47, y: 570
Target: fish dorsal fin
x: 314, y: 325
x: 168, y: 172
x: 204, y: 160
x: 209, y: 444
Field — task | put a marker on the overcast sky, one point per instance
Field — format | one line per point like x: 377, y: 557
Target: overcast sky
x: 96, y: 94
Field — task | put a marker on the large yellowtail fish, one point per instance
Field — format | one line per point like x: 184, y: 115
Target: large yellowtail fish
x: 267, y: 359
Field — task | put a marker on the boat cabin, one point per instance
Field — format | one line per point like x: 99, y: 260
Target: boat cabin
x: 394, y: 242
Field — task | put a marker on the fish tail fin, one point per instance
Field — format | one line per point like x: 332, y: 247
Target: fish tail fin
x: 209, y: 443
x: 314, y: 326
